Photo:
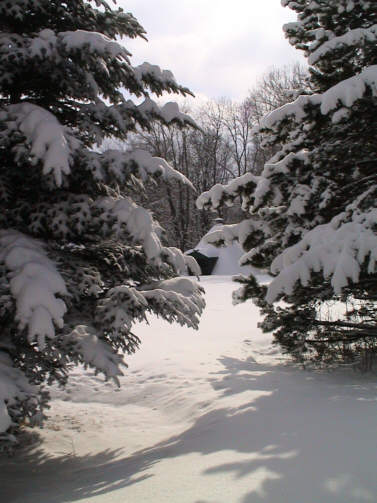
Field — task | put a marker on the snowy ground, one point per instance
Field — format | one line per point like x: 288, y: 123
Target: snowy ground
x: 210, y: 417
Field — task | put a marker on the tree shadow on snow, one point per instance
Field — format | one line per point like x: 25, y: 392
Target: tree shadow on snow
x: 31, y: 475
x: 303, y: 437
x: 292, y: 436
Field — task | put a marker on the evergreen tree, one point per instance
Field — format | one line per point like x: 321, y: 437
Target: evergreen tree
x: 80, y: 261
x: 313, y: 215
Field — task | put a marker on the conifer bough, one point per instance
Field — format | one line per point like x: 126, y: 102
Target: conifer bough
x: 312, y: 213
x: 80, y: 261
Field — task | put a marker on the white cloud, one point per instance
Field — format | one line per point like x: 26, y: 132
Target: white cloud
x: 215, y: 47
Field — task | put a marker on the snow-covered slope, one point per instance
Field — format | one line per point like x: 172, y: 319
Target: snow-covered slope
x: 211, y: 417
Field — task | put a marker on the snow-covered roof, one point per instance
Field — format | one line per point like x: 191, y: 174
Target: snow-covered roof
x: 228, y: 256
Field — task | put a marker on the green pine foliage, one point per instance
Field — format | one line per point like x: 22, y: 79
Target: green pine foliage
x: 80, y: 261
x: 312, y: 216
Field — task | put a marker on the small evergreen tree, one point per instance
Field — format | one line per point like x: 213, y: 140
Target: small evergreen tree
x: 313, y: 215
x: 80, y: 261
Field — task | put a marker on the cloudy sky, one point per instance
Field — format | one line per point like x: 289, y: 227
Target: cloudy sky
x: 215, y: 47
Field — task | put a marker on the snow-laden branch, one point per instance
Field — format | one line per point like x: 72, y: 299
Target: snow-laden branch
x: 143, y: 229
x: 35, y: 284
x: 139, y: 163
x: 192, y: 266
x: 101, y: 54
x: 227, y: 234
x: 181, y: 263
x: 95, y: 43
x: 214, y: 197
x: 167, y: 113
x: 343, y: 94
x: 53, y: 145
x: 337, y: 249
x: 176, y: 300
x: 47, y: 44
x: 125, y: 116
x: 13, y: 387
x: 46, y: 140
x: 55, y: 46
x: 356, y: 37
x: 241, y: 186
x: 94, y: 352
x: 145, y: 71
x: 138, y: 222
x: 273, y: 167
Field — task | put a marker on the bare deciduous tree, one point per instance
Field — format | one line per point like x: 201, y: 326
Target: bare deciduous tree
x: 224, y: 146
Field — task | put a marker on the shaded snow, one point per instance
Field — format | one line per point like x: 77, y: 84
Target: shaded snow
x: 208, y: 417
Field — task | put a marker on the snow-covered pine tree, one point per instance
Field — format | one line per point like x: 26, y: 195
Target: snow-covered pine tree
x: 313, y: 215
x: 80, y: 262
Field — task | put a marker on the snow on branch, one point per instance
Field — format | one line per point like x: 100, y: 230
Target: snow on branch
x: 120, y: 306
x: 94, y: 352
x: 296, y: 109
x: 145, y: 71
x: 92, y: 46
x: 139, y: 163
x: 127, y: 115
x: 176, y: 299
x: 35, y: 284
x: 344, y: 94
x: 338, y: 249
x: 227, y: 234
x: 240, y: 186
x: 273, y: 167
x: 213, y: 198
x: 181, y: 263
x: 56, y: 46
x: 47, y: 141
x: 350, y: 90
x: 356, y: 37
x: 137, y: 221
x: 192, y: 266
x: 95, y: 43
x: 168, y: 113
x: 143, y: 229
x: 13, y: 387
x: 149, y: 165
x: 157, y: 80
x: 43, y: 45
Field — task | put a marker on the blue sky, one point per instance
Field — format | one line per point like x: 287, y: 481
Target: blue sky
x: 218, y: 48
